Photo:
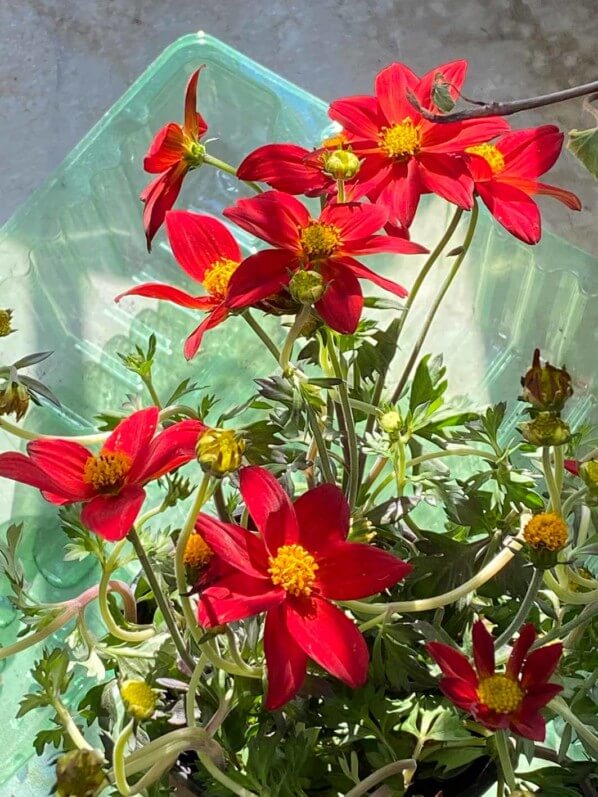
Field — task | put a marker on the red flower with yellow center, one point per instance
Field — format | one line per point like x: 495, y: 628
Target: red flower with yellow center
x: 325, y: 245
x: 406, y: 154
x: 208, y: 253
x: 293, y: 568
x: 111, y: 483
x: 512, y: 699
x: 505, y: 175
x: 174, y: 150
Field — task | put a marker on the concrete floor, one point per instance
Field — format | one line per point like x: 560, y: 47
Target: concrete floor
x: 64, y: 62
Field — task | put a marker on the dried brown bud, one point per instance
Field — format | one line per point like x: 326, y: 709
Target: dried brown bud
x: 14, y: 399
x: 79, y: 773
x: 546, y: 429
x: 5, y: 323
x: 546, y: 387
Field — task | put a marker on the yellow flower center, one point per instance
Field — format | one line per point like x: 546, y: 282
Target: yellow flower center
x: 335, y: 142
x: 106, y: 472
x: 217, y: 277
x: 294, y: 569
x: 500, y: 693
x: 491, y: 154
x: 546, y: 530
x: 320, y: 240
x: 402, y: 140
x: 197, y: 552
x: 139, y: 698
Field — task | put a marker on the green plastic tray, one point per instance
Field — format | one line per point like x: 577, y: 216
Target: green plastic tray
x: 78, y: 241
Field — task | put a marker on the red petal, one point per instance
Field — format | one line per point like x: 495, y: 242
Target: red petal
x: 259, y: 276
x: 540, y: 664
x: 157, y: 290
x: 285, y: 167
x: 330, y: 638
x: 462, y: 693
x: 401, y: 193
x: 113, y: 516
x: 273, y: 216
x: 452, y: 663
x: 194, y: 123
x: 323, y: 515
x: 159, y: 197
x: 286, y: 661
x: 531, y: 152
x: 513, y: 209
x: 538, y: 696
x: 572, y: 466
x: 66, y: 462
x: 235, y: 597
x: 531, y: 726
x: 240, y: 548
x: 342, y: 303
x: 170, y: 449
x: 269, y: 506
x: 361, y: 116
x: 378, y: 244
x: 456, y: 136
x: 453, y: 73
x: 363, y: 272
x: 531, y: 187
x: 491, y: 719
x: 526, y: 639
x: 447, y: 176
x: 20, y: 468
x: 350, y: 571
x: 193, y: 342
x: 166, y: 149
x: 392, y: 86
x: 132, y: 435
x: 483, y: 650
x: 198, y: 241
x: 355, y: 221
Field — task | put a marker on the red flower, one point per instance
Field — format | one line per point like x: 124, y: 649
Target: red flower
x: 408, y: 154
x: 325, y: 245
x: 572, y: 466
x: 174, y: 150
x: 292, y: 569
x: 505, y: 178
x: 512, y: 699
x: 110, y: 483
x: 206, y: 250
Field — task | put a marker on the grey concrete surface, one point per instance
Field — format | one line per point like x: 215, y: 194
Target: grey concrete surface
x: 64, y: 62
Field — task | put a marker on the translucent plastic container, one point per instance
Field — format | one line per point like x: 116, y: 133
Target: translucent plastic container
x: 78, y: 241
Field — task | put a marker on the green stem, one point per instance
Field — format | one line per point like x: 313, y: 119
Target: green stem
x: 559, y: 706
x: 554, y: 494
x: 320, y: 443
x: 161, y: 600
x: 364, y: 786
x: 70, y: 726
x: 113, y: 628
x: 293, y: 334
x: 569, y: 503
x: 340, y: 188
x: 147, y: 381
x: 262, y: 335
x: 228, y: 666
x: 504, y: 757
x: 210, y: 160
x: 192, y: 690
x: 118, y: 759
x: 523, y: 610
x: 436, y: 304
x: 349, y: 421
x: 219, y: 776
x: 32, y: 639
x: 563, y: 630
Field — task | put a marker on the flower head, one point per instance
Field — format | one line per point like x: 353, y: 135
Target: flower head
x: 546, y: 530
x: 197, y: 552
x: 505, y: 173
x: 327, y: 245
x: 545, y: 386
x: 174, y: 150
x: 510, y: 699
x: 79, y: 773
x: 297, y: 564
x: 5, y: 323
x: 139, y: 698
x: 14, y: 399
x: 220, y: 451
x: 110, y: 483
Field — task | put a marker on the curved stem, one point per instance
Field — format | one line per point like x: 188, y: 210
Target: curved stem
x: 382, y: 774
x: 293, y: 334
x: 436, y: 304
x: 353, y: 486
x: 219, y: 776
x: 210, y: 160
x: 504, y: 756
x: 228, y: 666
x: 523, y: 610
x: 70, y: 726
x: 103, y: 588
x: 32, y: 639
x: 192, y: 690
x: 262, y: 335
x: 118, y: 760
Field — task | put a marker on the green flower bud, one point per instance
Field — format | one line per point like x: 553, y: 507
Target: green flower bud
x: 546, y: 429
x: 588, y: 471
x: 546, y: 387
x: 5, y: 323
x: 14, y: 398
x: 220, y: 451
x: 390, y: 422
x: 79, y: 773
x: 342, y: 164
x: 307, y: 287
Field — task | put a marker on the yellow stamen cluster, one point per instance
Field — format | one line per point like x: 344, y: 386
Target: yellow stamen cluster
x: 401, y: 140
x: 546, y: 530
x: 335, y: 142
x: 500, y: 693
x: 491, y: 154
x: 217, y: 277
x: 294, y: 569
x: 197, y: 552
x: 320, y: 240
x: 139, y: 698
x: 106, y: 472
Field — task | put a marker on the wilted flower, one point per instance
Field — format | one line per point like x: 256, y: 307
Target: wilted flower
x: 79, y: 773
x: 546, y: 387
x: 546, y: 429
x: 220, y: 451
x: 14, y: 398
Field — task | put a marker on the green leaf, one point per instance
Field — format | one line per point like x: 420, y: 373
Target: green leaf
x: 441, y: 95
x: 32, y: 701
x: 450, y: 759
x: 55, y: 737
x: 584, y: 145
x: 428, y: 383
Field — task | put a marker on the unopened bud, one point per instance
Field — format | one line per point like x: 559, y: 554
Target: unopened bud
x: 5, y: 323
x: 390, y: 422
x: 14, y: 399
x: 546, y: 387
x: 546, y: 429
x: 220, y: 451
x: 79, y: 773
x: 307, y: 287
x: 588, y: 471
x: 139, y: 698
x: 342, y: 164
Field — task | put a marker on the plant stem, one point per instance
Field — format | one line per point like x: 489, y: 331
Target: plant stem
x: 210, y: 160
x: 523, y: 610
x: 120, y: 633
x: 219, y: 776
x: 381, y: 774
x: 347, y: 414
x: 320, y: 443
x: 504, y: 757
x: 70, y: 726
x: 293, y: 333
x: 262, y: 335
x: 551, y: 485
x: 192, y: 690
x: 558, y: 705
x: 340, y: 188
x: 436, y: 304
x: 561, y: 631
x: 118, y: 759
x: 161, y: 600
x: 569, y: 503
x: 32, y: 639
x: 147, y: 381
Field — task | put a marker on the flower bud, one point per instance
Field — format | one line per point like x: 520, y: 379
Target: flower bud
x: 307, y: 287
x: 139, y: 698
x: 390, y: 422
x: 546, y: 387
x: 220, y: 451
x: 342, y: 164
x: 546, y: 429
x: 79, y: 773
x: 588, y: 471
x: 14, y: 398
x: 545, y: 534
x: 5, y: 323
